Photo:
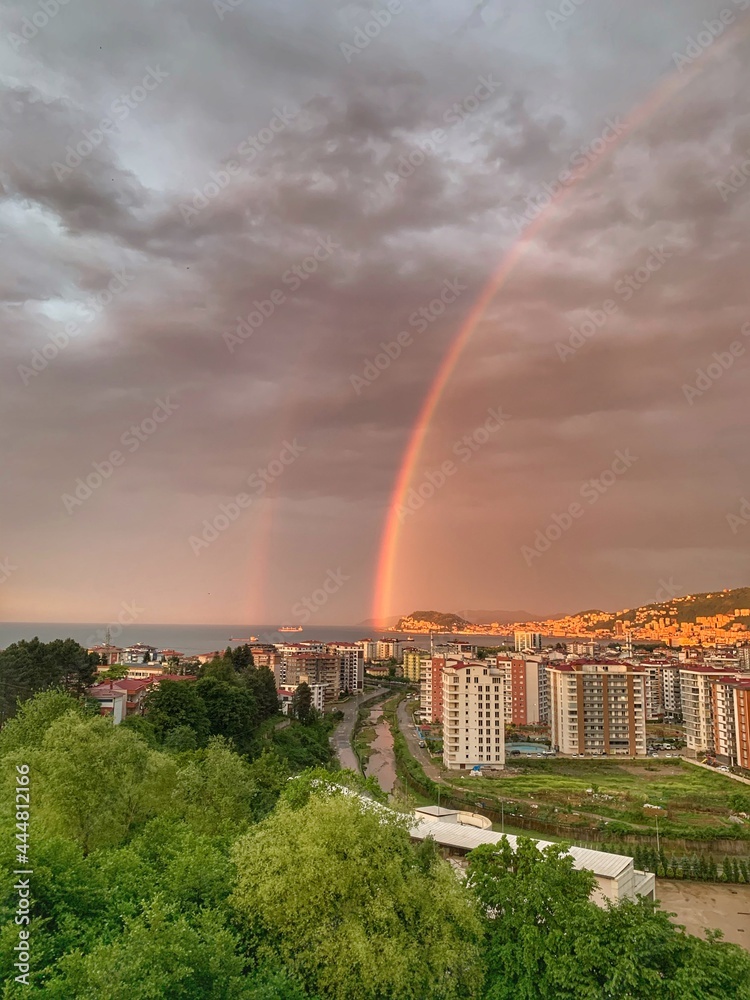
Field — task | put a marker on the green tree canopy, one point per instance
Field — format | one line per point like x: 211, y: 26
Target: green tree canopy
x: 177, y: 703
x: 336, y: 892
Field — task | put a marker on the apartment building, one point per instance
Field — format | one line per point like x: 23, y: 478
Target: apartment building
x: 352, y: 665
x: 412, y: 662
x: 698, y: 704
x: 526, y: 689
x: 369, y: 649
x: 671, y: 690
x: 388, y: 649
x: 473, y: 714
x: 431, y: 688
x: 742, y: 722
x: 314, y: 668
x: 527, y: 641
x: 598, y: 707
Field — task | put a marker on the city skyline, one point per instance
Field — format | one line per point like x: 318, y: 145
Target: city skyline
x: 317, y: 313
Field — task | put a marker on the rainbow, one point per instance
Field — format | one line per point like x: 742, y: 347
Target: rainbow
x: 389, y: 543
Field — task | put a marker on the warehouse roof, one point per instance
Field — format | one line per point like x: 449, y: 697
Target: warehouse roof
x: 467, y: 838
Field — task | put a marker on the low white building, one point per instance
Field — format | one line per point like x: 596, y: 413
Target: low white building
x: 616, y: 875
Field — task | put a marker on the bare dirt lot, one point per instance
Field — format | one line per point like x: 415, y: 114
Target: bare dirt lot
x: 698, y: 905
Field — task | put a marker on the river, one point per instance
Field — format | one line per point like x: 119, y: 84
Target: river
x: 382, y: 762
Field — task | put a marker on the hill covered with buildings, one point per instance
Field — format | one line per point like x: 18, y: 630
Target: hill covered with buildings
x: 707, y: 618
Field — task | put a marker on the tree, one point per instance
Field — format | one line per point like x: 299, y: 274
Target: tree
x: 548, y: 941
x: 302, y: 702
x: 261, y: 682
x: 335, y: 892
x: 232, y: 711
x: 94, y: 782
x: 174, y: 704
x: 30, y: 666
x: 242, y: 657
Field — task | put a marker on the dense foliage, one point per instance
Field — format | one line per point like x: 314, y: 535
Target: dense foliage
x: 30, y: 666
x: 168, y: 871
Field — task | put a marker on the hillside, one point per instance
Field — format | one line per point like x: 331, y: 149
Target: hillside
x: 684, y: 609
x: 432, y: 621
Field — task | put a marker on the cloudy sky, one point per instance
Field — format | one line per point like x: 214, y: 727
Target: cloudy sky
x: 213, y: 215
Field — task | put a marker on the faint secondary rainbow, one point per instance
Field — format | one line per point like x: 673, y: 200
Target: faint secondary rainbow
x: 388, y: 552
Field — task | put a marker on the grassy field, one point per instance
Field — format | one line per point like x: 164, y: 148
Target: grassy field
x: 611, y: 795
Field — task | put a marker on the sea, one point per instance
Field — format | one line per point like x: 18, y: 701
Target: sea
x: 195, y: 639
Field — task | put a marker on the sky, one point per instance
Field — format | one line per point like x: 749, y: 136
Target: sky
x: 239, y: 239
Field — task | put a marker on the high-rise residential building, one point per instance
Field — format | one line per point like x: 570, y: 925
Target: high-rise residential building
x: 369, y: 649
x: 352, y: 665
x: 388, y: 649
x: 671, y: 690
x: 525, y: 687
x: 431, y: 688
x: 473, y: 714
x: 598, y: 707
x: 528, y: 641
x: 412, y: 660
x: 698, y: 703
x: 314, y: 668
x: 742, y: 722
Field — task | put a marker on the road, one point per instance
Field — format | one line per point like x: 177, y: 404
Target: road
x: 407, y: 728
x: 342, y: 734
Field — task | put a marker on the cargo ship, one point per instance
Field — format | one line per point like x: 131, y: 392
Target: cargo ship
x: 289, y: 628
x: 249, y: 638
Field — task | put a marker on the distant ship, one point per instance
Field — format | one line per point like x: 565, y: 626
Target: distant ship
x: 289, y: 628
x: 250, y: 638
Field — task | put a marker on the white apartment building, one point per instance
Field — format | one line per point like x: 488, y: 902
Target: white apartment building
x: 473, y: 715
x: 670, y: 690
x: 352, y: 663
x: 598, y: 707
x: 369, y: 649
x: 527, y: 641
x: 387, y: 649
x: 696, y: 696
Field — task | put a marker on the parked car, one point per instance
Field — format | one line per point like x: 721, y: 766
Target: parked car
x: 422, y: 744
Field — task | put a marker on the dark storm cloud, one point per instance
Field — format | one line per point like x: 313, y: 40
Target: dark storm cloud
x: 393, y: 164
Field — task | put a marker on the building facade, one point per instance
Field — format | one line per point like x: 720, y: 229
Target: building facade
x: 598, y: 707
x: 525, y: 683
x: 352, y: 665
x: 528, y: 641
x: 473, y: 715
